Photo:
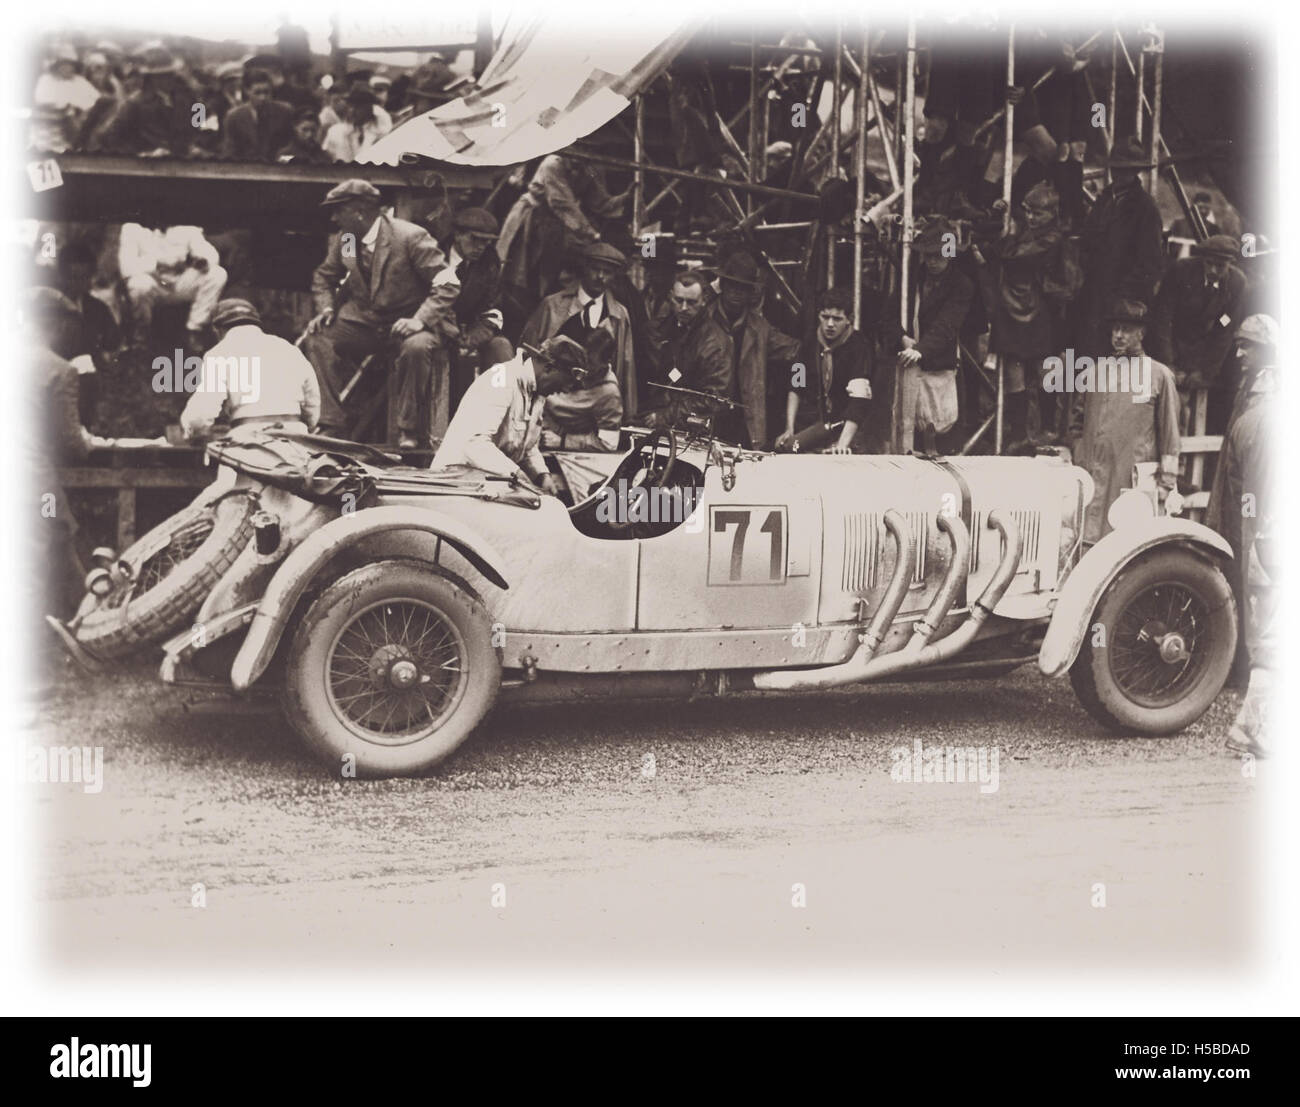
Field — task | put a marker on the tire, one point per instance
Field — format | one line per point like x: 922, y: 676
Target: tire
x: 360, y: 686
x: 1132, y: 685
x: 174, y: 567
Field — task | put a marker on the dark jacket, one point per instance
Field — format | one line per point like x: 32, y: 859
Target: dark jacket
x: 147, y: 121
x: 1123, y: 255
x: 257, y: 134
x: 851, y: 361
x: 945, y: 301
x: 701, y: 353
x: 1192, y: 325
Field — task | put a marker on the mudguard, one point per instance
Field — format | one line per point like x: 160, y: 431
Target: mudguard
x: 301, y: 566
x: 1098, y: 567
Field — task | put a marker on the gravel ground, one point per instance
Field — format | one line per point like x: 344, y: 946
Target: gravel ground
x: 550, y: 839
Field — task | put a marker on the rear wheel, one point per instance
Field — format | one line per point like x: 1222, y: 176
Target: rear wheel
x: 390, y: 670
x: 1159, y: 646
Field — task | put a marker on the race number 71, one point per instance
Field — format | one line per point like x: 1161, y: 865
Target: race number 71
x: 747, y: 545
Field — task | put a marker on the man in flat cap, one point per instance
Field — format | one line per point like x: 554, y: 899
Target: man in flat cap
x: 1117, y: 427
x: 590, y: 306
x: 1122, y: 247
x: 474, y: 326
x: 1196, y: 313
x: 377, y: 290
x: 498, y: 426
x: 251, y: 377
x: 937, y: 304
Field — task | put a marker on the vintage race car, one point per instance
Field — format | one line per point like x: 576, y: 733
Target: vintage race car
x: 390, y: 608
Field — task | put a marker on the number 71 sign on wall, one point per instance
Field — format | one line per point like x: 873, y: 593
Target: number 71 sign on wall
x: 747, y: 545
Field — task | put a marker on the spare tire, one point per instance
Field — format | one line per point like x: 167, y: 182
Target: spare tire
x: 171, y: 571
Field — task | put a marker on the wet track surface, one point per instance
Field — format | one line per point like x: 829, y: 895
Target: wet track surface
x: 651, y: 833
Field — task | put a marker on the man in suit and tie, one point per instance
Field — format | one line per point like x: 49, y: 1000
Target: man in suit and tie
x: 378, y: 287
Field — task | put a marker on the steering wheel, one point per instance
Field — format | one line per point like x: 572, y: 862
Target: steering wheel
x: 656, y: 475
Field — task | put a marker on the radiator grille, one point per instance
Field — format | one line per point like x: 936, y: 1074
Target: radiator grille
x: 862, y: 536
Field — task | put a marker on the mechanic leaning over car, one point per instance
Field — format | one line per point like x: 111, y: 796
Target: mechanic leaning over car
x: 498, y: 426
x: 253, y: 378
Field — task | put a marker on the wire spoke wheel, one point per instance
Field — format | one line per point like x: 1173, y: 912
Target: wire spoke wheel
x: 1170, y: 626
x: 396, y: 670
x: 390, y: 669
x: 1156, y: 651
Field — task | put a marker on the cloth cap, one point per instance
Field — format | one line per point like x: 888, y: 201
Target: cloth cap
x: 1218, y: 246
x: 230, y: 313
x: 603, y: 251
x: 564, y: 353
x: 1127, y: 311
x: 478, y: 220
x: 354, y: 189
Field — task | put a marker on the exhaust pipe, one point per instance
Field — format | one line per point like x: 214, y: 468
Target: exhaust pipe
x: 954, y: 578
x: 919, y: 652
x: 831, y: 675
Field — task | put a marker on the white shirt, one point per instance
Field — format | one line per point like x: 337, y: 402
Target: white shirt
x: 591, y: 307
x: 498, y: 425
x: 250, y: 373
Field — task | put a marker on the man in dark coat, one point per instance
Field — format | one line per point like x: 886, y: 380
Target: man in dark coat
x: 1122, y: 248
x: 1196, y: 313
x: 259, y: 128
x: 828, y: 403
x: 692, y: 351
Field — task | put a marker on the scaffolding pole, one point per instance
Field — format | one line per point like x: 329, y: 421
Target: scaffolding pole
x: 1007, y: 159
x: 1113, y: 103
x: 837, y: 110
x: 1157, y: 47
x: 638, y: 178
x: 860, y: 171
x: 908, y: 131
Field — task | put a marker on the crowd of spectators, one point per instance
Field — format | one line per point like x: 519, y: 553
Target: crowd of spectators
x: 161, y: 100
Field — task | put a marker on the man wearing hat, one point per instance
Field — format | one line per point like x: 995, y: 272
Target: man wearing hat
x: 375, y: 290
x: 762, y: 357
x: 1119, y: 428
x: 474, y: 326
x: 1121, y: 245
x: 1197, y: 311
x: 498, y: 426
x: 937, y: 304
x: 553, y: 217
x: 156, y: 120
x: 590, y: 305
x: 253, y: 378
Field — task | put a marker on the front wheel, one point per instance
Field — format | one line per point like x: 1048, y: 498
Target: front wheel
x: 1159, y: 645
x: 391, y: 669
